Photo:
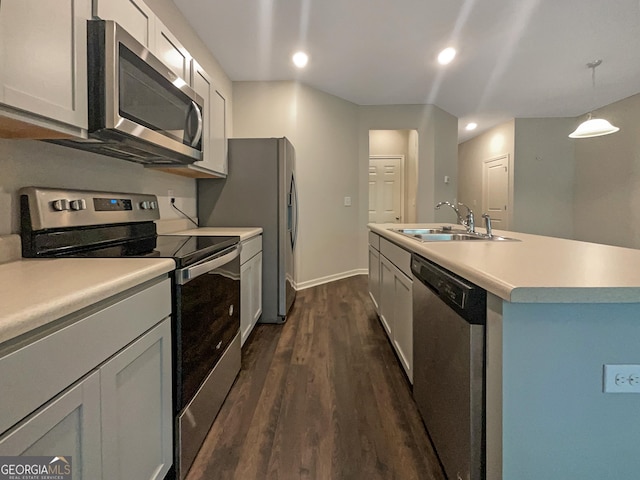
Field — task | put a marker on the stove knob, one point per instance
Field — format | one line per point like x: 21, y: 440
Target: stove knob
x: 79, y: 204
x: 154, y: 205
x: 145, y: 205
x: 60, y: 205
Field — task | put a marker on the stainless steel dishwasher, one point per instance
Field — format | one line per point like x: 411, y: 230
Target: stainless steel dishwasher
x: 449, y: 316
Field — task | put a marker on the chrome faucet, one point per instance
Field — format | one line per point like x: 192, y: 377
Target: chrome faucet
x: 468, y: 222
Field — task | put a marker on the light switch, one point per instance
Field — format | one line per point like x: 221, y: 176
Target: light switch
x: 347, y: 201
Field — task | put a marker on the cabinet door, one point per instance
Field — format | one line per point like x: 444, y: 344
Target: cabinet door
x: 219, y: 132
x: 136, y: 408
x: 69, y: 426
x: 132, y: 15
x: 251, y: 295
x: 256, y: 292
x: 403, y: 321
x: 374, y: 276
x: 171, y: 52
x: 43, y: 58
x: 387, y: 293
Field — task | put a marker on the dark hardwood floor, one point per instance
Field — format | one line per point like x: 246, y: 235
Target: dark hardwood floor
x: 320, y: 397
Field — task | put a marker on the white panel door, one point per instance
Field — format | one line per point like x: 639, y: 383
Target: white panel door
x: 495, y: 191
x: 385, y: 189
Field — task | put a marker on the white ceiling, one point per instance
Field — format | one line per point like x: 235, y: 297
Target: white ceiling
x: 516, y: 58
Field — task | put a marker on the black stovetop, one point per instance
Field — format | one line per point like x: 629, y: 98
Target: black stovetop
x: 185, y: 250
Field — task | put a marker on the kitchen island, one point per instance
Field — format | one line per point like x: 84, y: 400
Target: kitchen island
x: 557, y: 311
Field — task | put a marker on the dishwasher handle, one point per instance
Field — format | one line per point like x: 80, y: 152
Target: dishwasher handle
x: 466, y: 298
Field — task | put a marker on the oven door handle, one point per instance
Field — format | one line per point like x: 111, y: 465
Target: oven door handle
x: 185, y: 275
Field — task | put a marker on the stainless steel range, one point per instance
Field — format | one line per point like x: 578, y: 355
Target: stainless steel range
x: 206, y: 290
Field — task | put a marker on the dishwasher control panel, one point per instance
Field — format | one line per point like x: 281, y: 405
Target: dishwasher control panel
x: 468, y: 299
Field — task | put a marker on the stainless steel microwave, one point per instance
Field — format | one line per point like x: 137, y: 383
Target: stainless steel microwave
x: 139, y: 110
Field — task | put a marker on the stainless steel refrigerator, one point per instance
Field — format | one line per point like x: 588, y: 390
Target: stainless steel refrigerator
x: 260, y: 191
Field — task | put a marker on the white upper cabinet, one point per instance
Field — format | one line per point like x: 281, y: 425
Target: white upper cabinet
x: 132, y: 15
x: 43, y: 65
x: 219, y: 132
x: 215, y: 157
x: 171, y: 52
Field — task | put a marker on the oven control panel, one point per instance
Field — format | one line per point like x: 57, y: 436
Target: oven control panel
x: 55, y: 208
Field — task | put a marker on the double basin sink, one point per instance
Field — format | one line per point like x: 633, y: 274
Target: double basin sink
x: 447, y: 234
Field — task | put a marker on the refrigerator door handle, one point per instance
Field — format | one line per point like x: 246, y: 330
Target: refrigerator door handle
x: 294, y: 231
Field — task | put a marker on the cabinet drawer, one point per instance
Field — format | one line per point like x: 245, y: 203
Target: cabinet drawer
x: 400, y: 257
x: 374, y: 240
x: 250, y: 248
x: 38, y: 371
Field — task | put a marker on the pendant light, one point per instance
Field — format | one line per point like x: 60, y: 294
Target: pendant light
x: 593, y: 127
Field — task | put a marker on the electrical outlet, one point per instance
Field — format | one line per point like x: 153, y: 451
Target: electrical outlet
x: 621, y: 379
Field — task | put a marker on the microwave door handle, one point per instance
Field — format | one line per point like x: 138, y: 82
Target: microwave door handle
x: 187, y: 274
x: 198, y: 135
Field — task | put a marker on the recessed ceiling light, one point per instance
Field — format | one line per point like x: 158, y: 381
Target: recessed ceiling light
x: 300, y: 59
x: 471, y: 126
x: 446, y: 56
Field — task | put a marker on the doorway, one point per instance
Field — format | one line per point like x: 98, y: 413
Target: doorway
x: 393, y: 173
x: 495, y: 190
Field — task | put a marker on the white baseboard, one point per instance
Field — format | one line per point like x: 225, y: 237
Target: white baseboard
x: 331, y: 278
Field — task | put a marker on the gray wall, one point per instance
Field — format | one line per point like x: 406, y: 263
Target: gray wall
x: 437, y: 156
x: 31, y: 163
x: 323, y: 130
x: 541, y: 175
x: 544, y: 164
x: 606, y: 206
x: 493, y: 143
x: 331, y: 137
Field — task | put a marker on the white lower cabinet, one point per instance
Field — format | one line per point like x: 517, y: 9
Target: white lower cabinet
x: 395, y: 290
x: 374, y: 277
x: 135, y: 388
x: 115, y: 421
x: 69, y: 426
x: 250, y: 285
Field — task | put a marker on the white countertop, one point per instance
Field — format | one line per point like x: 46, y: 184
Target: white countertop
x: 536, y: 269
x: 245, y: 233
x: 38, y: 291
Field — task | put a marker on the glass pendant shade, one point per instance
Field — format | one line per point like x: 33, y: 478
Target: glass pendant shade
x: 593, y: 127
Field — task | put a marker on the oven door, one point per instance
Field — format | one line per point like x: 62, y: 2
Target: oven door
x: 207, y: 319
